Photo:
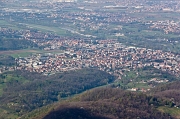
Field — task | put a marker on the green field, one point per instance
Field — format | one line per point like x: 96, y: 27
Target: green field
x: 174, y: 111
x: 2, y: 22
x: 4, y: 79
x: 4, y: 114
x: 23, y: 54
x: 42, y: 28
x: 12, y: 25
x: 56, y: 30
x: 139, y: 85
x: 28, y: 52
x: 7, y: 78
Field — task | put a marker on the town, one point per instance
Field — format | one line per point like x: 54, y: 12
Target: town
x: 107, y: 55
x: 113, y: 36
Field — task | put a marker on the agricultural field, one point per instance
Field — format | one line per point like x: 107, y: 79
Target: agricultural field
x: 27, y: 52
x: 7, y: 78
x: 55, y: 30
x: 145, y: 78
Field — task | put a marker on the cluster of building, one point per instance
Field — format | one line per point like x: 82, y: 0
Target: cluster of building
x: 89, y: 19
x: 6, y: 68
x: 93, y: 15
x: 168, y: 26
x: 28, y: 34
x: 106, y: 55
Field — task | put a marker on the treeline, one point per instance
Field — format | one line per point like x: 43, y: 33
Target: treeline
x: 39, y: 90
x: 15, y: 44
x: 108, y: 103
x: 7, y: 60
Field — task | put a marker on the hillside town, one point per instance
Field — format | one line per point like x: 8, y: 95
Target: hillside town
x: 106, y: 55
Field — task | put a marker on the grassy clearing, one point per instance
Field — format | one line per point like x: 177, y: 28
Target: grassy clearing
x: 28, y: 52
x: 140, y: 85
x: 12, y: 25
x: 2, y: 22
x: 9, y: 77
x: 172, y: 111
x: 56, y: 30
x: 4, y: 114
x: 51, y: 51
x: 42, y: 28
x: 19, y: 53
x: 23, y: 54
x: 1, y: 88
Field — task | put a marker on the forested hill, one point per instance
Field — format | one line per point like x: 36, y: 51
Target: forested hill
x: 169, y: 93
x: 162, y: 102
x: 24, y: 91
x: 107, y: 103
x: 28, y: 91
